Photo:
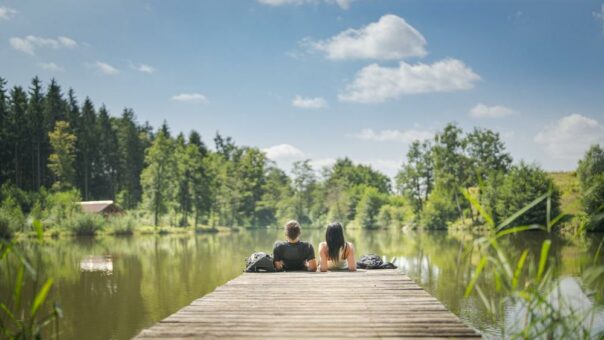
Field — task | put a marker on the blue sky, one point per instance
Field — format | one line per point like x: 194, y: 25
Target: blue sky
x: 323, y: 79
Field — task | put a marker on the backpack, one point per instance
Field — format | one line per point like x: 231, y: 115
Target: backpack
x: 259, y: 262
x: 373, y: 261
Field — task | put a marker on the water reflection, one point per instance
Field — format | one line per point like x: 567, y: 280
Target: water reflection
x: 111, y: 288
x: 93, y: 263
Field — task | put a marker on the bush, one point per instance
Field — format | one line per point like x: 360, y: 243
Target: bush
x: 62, y: 205
x: 12, y: 215
x: 523, y: 184
x: 85, y: 224
x: 6, y: 232
x: 438, y: 211
x: 368, y: 208
x: 591, y: 176
x: 120, y: 225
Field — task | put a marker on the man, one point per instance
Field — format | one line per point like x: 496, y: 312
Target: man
x: 294, y: 254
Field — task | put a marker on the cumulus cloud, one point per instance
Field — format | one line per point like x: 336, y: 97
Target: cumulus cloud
x: 7, y: 13
x: 375, y: 84
x: 283, y: 151
x: 391, y: 37
x: 343, y: 4
x: 309, y: 103
x: 30, y: 43
x: 190, y: 98
x: 145, y: 68
x: 104, y: 68
x: 51, y: 67
x: 600, y: 16
x: 407, y: 136
x: 496, y: 111
x: 571, y: 136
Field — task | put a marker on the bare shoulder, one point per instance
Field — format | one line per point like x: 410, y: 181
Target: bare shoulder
x: 323, y: 246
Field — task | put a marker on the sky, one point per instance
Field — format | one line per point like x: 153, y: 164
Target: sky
x: 325, y: 79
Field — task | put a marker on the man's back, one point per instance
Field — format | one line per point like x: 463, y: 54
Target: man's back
x: 293, y: 254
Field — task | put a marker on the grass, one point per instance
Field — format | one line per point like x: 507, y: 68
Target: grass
x: 570, y: 192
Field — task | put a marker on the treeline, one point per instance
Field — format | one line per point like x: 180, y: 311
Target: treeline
x: 436, y: 174
x: 56, y: 150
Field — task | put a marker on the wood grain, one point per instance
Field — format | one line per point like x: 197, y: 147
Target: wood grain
x: 363, y: 304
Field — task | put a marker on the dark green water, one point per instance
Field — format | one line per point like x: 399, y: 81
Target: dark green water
x: 111, y: 288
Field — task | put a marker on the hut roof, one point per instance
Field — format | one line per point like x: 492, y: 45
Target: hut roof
x: 99, y: 207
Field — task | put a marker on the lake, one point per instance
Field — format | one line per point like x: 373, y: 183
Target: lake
x: 112, y: 287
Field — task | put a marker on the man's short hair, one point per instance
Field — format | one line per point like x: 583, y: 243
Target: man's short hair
x: 292, y: 229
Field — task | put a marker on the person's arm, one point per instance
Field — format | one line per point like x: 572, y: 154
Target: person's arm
x: 277, y: 258
x: 323, y: 256
x: 311, y: 262
x: 312, y: 265
x: 352, y: 264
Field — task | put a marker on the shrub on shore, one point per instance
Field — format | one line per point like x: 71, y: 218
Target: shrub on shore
x: 120, y: 225
x: 85, y: 224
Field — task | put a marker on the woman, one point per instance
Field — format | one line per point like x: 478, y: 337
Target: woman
x: 336, y: 253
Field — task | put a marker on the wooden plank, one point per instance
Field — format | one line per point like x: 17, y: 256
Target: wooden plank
x: 364, y: 304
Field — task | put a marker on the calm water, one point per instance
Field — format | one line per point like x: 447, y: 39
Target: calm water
x: 111, y: 288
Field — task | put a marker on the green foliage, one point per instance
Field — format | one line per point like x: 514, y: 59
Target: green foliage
x: 368, y: 208
x: 159, y: 177
x: 415, y: 179
x: 523, y: 184
x: 591, y: 177
x: 61, y: 205
x: 120, y: 225
x: 85, y: 224
x: 439, y: 211
x: 25, y: 318
x: 541, y: 311
x: 60, y: 162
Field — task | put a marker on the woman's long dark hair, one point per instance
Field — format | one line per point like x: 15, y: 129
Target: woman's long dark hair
x: 334, y: 236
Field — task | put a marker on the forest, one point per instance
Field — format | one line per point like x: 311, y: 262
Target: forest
x: 57, y: 150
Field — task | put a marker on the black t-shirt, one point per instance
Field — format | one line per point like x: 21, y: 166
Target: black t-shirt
x: 293, y: 255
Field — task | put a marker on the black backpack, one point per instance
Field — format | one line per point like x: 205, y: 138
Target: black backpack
x: 372, y: 261
x: 259, y: 262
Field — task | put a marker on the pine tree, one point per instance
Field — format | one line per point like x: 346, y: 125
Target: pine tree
x: 16, y: 134
x: 105, y: 185
x: 131, y: 151
x: 87, y: 150
x: 5, y: 158
x: 53, y: 107
x: 38, y: 146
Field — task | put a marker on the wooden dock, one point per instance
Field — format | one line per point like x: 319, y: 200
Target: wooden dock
x: 363, y: 304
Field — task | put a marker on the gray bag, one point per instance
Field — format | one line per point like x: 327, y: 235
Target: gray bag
x: 259, y: 262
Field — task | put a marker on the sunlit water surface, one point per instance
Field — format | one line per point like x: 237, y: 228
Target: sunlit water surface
x: 112, y: 287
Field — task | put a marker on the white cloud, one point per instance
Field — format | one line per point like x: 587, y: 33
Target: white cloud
x: 30, y: 43
x: 571, y: 136
x: 600, y: 16
x: 7, y: 13
x: 104, y: 68
x: 343, y: 4
x: 309, y: 103
x: 484, y: 111
x: 190, y: 98
x: 406, y: 137
x: 51, y: 67
x: 389, y: 38
x: 375, y: 84
x: 283, y: 151
x: 145, y: 68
